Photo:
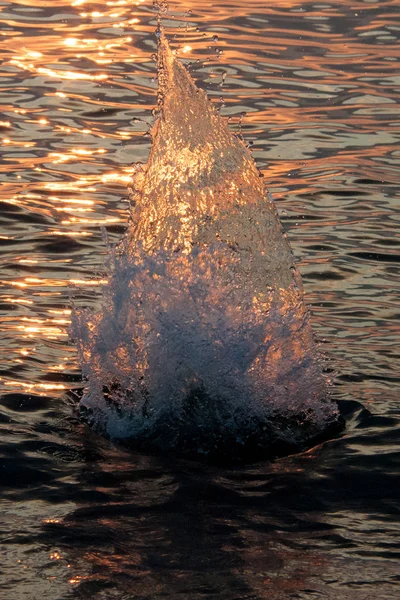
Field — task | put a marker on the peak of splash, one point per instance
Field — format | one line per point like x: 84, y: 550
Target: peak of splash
x: 203, y: 345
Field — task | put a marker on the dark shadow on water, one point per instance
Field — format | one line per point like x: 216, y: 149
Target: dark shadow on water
x: 205, y: 430
x: 151, y: 527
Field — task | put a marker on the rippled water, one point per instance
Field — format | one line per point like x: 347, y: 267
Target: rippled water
x: 83, y: 518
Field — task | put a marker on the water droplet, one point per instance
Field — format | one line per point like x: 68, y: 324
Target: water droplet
x: 215, y: 38
x: 161, y: 6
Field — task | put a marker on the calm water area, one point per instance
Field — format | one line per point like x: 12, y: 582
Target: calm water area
x: 313, y: 87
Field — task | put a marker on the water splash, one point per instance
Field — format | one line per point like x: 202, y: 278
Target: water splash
x: 203, y: 344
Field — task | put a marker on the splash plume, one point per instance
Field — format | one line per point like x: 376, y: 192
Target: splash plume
x: 203, y: 344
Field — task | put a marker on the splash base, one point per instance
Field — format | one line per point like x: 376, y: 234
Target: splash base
x: 207, y: 431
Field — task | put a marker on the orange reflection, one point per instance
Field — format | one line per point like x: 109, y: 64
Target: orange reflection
x: 31, y: 387
x: 18, y: 300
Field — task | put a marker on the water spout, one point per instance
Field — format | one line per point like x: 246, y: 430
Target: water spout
x: 203, y: 345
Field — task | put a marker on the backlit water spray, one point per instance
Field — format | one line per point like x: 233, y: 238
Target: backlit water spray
x: 203, y: 344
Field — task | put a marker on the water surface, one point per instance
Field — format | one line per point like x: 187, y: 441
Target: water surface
x: 84, y: 518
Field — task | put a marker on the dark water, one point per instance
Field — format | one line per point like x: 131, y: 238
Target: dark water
x: 83, y: 518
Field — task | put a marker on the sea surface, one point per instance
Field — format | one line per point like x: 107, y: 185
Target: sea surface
x: 314, y: 90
